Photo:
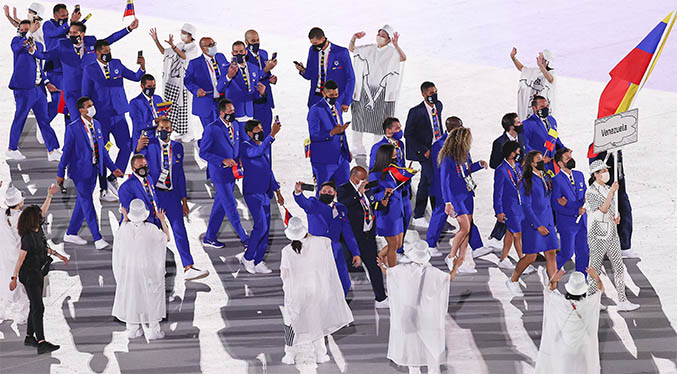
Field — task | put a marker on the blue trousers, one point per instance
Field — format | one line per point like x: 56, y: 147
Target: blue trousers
x: 33, y: 98
x: 422, y: 193
x: 84, y: 207
x: 264, y: 113
x: 224, y: 205
x: 71, y: 101
x: 118, y: 127
x: 341, y: 265
x: 259, y: 207
x: 170, y: 201
x: 574, y: 239
x: 206, y: 120
x: 339, y: 172
x: 625, y: 227
x: 438, y: 219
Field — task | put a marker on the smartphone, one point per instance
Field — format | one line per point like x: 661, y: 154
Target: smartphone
x: 297, y: 63
x: 307, y: 187
x: 139, y: 54
x: 371, y: 184
x: 274, y: 56
x: 77, y: 8
x: 277, y: 119
x: 233, y: 60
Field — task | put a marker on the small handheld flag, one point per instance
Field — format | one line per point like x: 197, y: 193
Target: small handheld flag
x: 238, y: 172
x: 88, y: 17
x: 164, y: 107
x: 62, y: 103
x: 129, y: 9
x: 306, y: 147
x: 401, y: 174
x: 287, y: 216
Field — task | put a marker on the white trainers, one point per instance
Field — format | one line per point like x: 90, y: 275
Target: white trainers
x: 434, y: 252
x: 602, y: 307
x: 383, y: 304
x: 506, y: 264
x: 194, y: 273
x: 54, y: 156
x: 626, y: 306
x: 15, y: 155
x: 420, y: 222
x: 134, y: 332
x: 530, y: 269
x: 514, y: 288
x: 323, y: 359
x: 107, y: 196
x: 262, y: 268
x: 494, y: 243
x: 402, y: 259
x: 288, y: 358
x: 465, y: 268
x: 248, y: 265
x: 75, y: 239
x: 154, y: 334
x: 101, y: 244
x: 482, y: 251
x: 629, y: 253
x: 450, y: 262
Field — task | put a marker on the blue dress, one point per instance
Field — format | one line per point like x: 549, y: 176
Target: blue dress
x: 454, y: 189
x: 507, y: 196
x: 537, y: 212
x: 390, y: 220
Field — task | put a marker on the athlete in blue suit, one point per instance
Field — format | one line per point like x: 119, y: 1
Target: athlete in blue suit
x: 329, y: 153
x: 221, y: 149
x: 263, y: 111
x: 242, y: 84
x: 257, y: 187
x: 330, y: 219
x: 507, y: 200
x: 567, y: 199
x: 540, y: 128
x: 201, y: 79
x: 328, y: 61
x: 86, y: 158
x: 140, y: 185
x: 144, y: 111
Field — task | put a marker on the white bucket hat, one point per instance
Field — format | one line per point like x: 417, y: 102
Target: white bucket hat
x: 137, y: 211
x: 576, y: 284
x: 418, y: 252
x: 187, y: 27
x: 13, y: 196
x: 597, y: 165
x: 296, y: 229
x: 38, y: 8
x: 549, y: 56
x: 389, y: 30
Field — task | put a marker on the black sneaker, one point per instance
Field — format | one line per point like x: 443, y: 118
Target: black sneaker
x: 46, y: 346
x: 30, y: 341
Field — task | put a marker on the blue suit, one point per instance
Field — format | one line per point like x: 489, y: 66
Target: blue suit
x: 406, y: 189
x: 217, y: 146
x: 331, y: 222
x: 419, y: 132
x: 339, y: 69
x: 111, y: 103
x: 390, y: 219
x: 132, y: 189
x: 236, y: 90
x: 29, y: 95
x: 263, y: 111
x: 197, y: 76
x: 77, y: 157
x: 329, y: 154
x: 143, y: 115
x: 537, y: 212
x: 258, y: 186
x: 536, y: 135
x: 507, y: 199
x: 573, y: 236
x: 53, y: 32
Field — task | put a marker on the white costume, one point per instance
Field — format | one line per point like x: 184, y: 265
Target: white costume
x: 532, y: 82
x: 13, y: 304
x: 174, y: 69
x: 139, y: 253
x: 419, y: 296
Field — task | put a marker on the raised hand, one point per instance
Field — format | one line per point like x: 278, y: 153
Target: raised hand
x: 170, y: 41
x: 359, y: 35
x: 396, y: 39
x: 134, y: 24
x: 153, y: 33
x: 513, y: 53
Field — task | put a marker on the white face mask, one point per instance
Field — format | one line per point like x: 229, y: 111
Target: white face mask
x: 213, y: 51
x: 186, y: 38
x: 605, y: 177
x: 91, y: 111
x: 381, y: 41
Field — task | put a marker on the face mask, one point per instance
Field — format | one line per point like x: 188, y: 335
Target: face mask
x: 258, y: 136
x: 519, y: 129
x: 518, y: 157
x: 398, y: 135
x: 605, y: 177
x: 22, y: 34
x: 75, y: 39
x: 255, y: 47
x: 318, y: 47
x: 229, y: 117
x: 91, y: 111
x: 326, y: 198
x: 149, y: 91
x: 571, y: 164
x: 186, y: 38
x: 163, y: 135
x: 431, y: 98
x: 106, y: 57
x: 540, y: 165
x: 381, y: 41
x: 331, y: 100
x: 239, y: 58
x: 543, y: 112
x: 142, y: 171
x: 61, y: 21
x: 212, y: 50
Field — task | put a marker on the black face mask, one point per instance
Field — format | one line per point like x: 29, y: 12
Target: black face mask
x: 163, y: 135
x: 518, y: 157
x: 239, y: 58
x: 229, y: 117
x: 149, y: 91
x: 326, y: 198
x: 22, y: 34
x: 75, y: 39
x: 318, y: 47
x: 519, y: 129
x: 543, y: 112
x: 142, y: 171
x: 431, y: 99
x: 571, y: 164
x: 258, y: 136
x: 540, y: 165
x: 106, y: 57
x: 331, y: 100
x: 255, y: 47
x: 61, y: 21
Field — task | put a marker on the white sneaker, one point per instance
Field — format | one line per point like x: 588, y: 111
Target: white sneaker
x: 38, y: 135
x: 530, y: 269
x: 482, y: 251
x: 383, y: 304
x: 75, y: 239
x: 414, y: 370
x: 466, y: 268
x: 402, y: 259
x: 602, y: 307
x: 323, y: 359
x: 450, y: 262
x: 514, y: 288
x: 262, y: 268
x: 420, y: 222
x: 106, y: 195
x: 506, y: 264
x: 494, y: 243
x: 629, y: 253
x: 134, y: 333
x: 154, y: 334
x: 194, y: 273
x: 14, y: 155
x: 248, y: 265
x: 101, y: 244
x: 288, y: 359
x: 626, y: 306
x: 54, y: 156
x: 434, y: 252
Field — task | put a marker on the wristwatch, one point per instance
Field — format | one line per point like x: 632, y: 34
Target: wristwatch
x: 12, y: 278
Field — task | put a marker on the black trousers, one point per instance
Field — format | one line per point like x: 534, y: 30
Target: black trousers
x: 366, y: 241
x: 36, y: 308
x: 422, y: 192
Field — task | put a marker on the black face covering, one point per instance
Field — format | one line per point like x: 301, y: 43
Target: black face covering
x: 61, y: 21
x: 142, y: 171
x: 106, y: 57
x: 75, y: 39
x: 518, y: 157
x: 229, y: 117
x: 149, y: 91
x: 326, y: 198
x: 258, y: 136
x: 318, y: 47
x: 571, y: 164
x: 543, y: 112
x: 432, y: 99
x: 331, y: 100
x: 164, y: 135
x: 540, y: 165
x: 255, y: 47
x: 519, y: 129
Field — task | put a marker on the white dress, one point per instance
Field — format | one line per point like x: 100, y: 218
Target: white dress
x: 532, y: 82
x: 313, y: 295
x: 419, y: 297
x: 569, y: 342
x: 13, y: 304
x: 139, y: 253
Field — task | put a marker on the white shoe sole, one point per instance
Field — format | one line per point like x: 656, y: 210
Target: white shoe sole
x: 75, y: 241
x: 197, y: 277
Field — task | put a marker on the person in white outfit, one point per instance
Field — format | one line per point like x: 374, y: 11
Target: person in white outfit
x: 603, y: 237
x: 569, y: 343
x: 139, y: 253
x: 538, y: 81
x: 419, y: 297
x: 314, y: 302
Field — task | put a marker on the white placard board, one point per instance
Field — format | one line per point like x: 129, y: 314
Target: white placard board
x: 616, y: 130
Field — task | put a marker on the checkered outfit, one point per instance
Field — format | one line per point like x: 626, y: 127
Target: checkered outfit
x: 178, y: 113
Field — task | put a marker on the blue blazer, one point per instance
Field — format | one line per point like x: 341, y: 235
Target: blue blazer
x: 339, y: 69
x: 506, y: 190
x: 396, y: 201
x: 561, y: 187
x: 77, y: 152
x: 142, y: 115
x: 153, y: 154
x: 236, y: 90
x: 536, y: 135
x: 325, y: 148
x: 452, y: 183
x: 436, y: 185
x: 260, y: 61
x: 108, y: 95
x: 52, y: 33
x: 197, y: 76
x: 216, y: 146
x: 72, y: 65
x: 321, y: 222
x: 25, y: 65
x: 418, y: 131
x: 536, y: 205
x: 133, y: 189
x: 496, y: 158
x: 374, y: 150
x: 258, y: 171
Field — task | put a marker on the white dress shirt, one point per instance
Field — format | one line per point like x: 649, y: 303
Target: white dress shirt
x: 367, y: 226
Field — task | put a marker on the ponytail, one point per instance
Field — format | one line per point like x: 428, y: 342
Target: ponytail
x: 592, y: 179
x: 296, y: 245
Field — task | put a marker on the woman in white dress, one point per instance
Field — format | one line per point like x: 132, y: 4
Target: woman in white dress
x: 139, y: 253
x: 540, y: 81
x: 314, y: 302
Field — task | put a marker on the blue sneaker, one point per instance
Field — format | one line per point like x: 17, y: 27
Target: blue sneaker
x: 212, y: 243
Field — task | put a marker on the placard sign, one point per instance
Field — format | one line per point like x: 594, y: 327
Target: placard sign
x: 616, y: 130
